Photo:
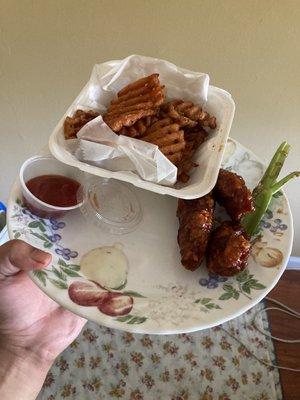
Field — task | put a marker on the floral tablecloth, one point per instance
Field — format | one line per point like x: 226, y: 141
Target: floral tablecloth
x: 206, y: 365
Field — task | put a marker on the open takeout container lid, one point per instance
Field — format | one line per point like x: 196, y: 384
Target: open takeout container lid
x: 209, y: 156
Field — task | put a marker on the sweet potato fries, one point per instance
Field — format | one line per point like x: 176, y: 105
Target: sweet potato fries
x: 140, y: 111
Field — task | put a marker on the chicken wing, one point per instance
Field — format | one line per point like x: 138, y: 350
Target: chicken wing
x: 228, y: 249
x: 231, y: 192
x: 195, y: 224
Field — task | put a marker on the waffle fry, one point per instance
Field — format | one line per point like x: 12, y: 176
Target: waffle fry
x: 139, y: 128
x: 72, y: 125
x: 139, y: 111
x: 137, y: 100
x: 168, y: 137
x: 116, y: 123
x: 168, y: 111
x: 172, y: 149
x: 193, y: 140
x: 160, y: 132
x: 179, y: 108
x: 175, y: 137
x: 161, y: 123
x: 141, y: 84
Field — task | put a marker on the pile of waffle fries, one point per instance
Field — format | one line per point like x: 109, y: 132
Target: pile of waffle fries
x: 140, y: 111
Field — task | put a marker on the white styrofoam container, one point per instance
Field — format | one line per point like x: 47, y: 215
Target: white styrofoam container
x: 209, y: 155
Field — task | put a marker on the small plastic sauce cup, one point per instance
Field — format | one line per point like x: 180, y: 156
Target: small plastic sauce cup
x: 45, y: 165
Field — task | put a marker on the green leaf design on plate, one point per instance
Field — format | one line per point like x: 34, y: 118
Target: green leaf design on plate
x: 137, y: 320
x: 44, y: 238
x: 212, y: 305
x: 40, y: 236
x: 228, y: 288
x: 205, y: 300
x: 58, y: 284
x: 47, y: 245
x: 256, y: 285
x: 41, y: 226
x: 131, y: 319
x: 70, y: 272
x: 243, y: 276
x: 62, y: 262
x: 226, y: 296
x: 133, y: 294
x: 33, y: 224
x: 246, y: 287
x: 41, y: 275
x: 207, y: 303
x: 125, y: 318
x: 59, y: 274
x: 75, y: 267
x: 17, y: 235
x: 37, y: 224
x: 236, y: 294
x: 245, y: 284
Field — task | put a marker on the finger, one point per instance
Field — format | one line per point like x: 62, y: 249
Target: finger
x: 17, y: 255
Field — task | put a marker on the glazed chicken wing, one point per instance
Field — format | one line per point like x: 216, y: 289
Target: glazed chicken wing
x: 195, y: 224
x: 231, y: 192
x: 228, y: 250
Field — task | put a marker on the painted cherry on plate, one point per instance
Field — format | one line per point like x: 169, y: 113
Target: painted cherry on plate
x: 91, y: 294
x: 115, y: 304
x: 86, y: 293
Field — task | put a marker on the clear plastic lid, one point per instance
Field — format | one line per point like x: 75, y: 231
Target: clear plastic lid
x: 110, y: 204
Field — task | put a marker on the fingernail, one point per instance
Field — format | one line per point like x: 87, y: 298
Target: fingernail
x: 40, y: 256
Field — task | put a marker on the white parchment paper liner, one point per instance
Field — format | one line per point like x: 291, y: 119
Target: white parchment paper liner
x: 100, y: 146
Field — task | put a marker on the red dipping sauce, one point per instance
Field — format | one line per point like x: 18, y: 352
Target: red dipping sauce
x: 56, y: 190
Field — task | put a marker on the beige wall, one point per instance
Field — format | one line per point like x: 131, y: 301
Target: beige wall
x: 250, y: 48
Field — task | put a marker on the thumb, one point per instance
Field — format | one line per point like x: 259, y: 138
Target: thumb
x: 17, y: 255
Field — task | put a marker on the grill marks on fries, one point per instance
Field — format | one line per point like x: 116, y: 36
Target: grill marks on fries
x: 139, y: 128
x: 171, y: 137
x: 193, y: 140
x: 116, y: 123
x: 72, y: 125
x: 147, y: 81
x: 168, y: 110
x: 137, y: 100
x: 187, y: 112
x: 177, y: 127
x: 168, y: 137
x: 152, y: 134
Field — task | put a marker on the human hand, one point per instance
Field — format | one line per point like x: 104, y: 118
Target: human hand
x: 33, y: 328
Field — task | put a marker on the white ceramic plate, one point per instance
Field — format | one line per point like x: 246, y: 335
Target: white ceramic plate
x: 165, y: 298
